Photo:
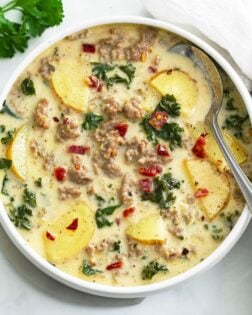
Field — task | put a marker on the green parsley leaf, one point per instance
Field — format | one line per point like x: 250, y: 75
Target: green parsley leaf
x: 92, y: 121
x: 100, y: 216
x: 230, y: 104
x: 88, y: 270
x: 99, y: 199
x: 20, y: 216
x: 235, y: 122
x: 4, y: 190
x: 27, y: 87
x: 152, y: 269
x: 117, y: 246
x: 5, y: 164
x: 38, y: 182
x: 9, y: 137
x: 2, y: 128
x: 5, y: 110
x: 29, y: 197
x: 169, y: 104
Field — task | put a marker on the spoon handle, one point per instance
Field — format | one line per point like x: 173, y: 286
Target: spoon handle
x: 241, y: 178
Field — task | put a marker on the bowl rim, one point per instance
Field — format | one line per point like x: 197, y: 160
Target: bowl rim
x: 140, y: 290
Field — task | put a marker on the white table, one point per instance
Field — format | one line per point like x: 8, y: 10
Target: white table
x: 224, y: 290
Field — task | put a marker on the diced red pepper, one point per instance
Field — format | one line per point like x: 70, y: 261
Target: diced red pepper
x: 94, y: 83
x: 60, y: 173
x: 115, y: 265
x: 78, y: 149
x: 162, y: 150
x: 158, y: 120
x: 88, y: 48
x: 66, y: 121
x: 201, y: 192
x: 146, y: 185
x: 50, y: 236
x: 122, y: 128
x: 152, y: 69
x: 151, y: 170
x: 74, y: 225
x: 127, y: 212
x: 199, y: 147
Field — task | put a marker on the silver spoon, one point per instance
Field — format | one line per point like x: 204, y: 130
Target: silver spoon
x: 213, y: 77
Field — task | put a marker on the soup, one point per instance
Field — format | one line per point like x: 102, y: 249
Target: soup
x: 108, y: 170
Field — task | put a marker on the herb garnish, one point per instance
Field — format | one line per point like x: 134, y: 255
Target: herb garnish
x: 170, y: 105
x: 2, y: 128
x: 29, y: 197
x: 125, y: 76
x: 100, y: 216
x: 5, y: 163
x: 27, y: 87
x: 235, y: 122
x: 88, y: 270
x: 170, y: 132
x: 230, y: 104
x: 36, y: 16
x: 152, y: 269
x: 92, y: 121
x: 4, y: 183
x: 9, y: 137
x: 5, y: 110
x: 20, y: 216
x: 161, y: 193
x: 38, y: 182
x: 216, y: 233
x: 117, y: 246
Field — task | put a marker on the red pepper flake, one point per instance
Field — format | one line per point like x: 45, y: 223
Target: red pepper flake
x: 74, y: 225
x: 127, y: 212
x: 150, y: 171
x: 78, y: 149
x: 152, y: 69
x: 122, y: 128
x: 66, y: 121
x: 162, y: 150
x: 60, y: 173
x: 88, y: 48
x: 199, y: 147
x: 115, y: 265
x: 158, y: 120
x: 201, y: 192
x: 56, y: 119
x: 50, y: 236
x: 146, y: 185
x: 94, y: 83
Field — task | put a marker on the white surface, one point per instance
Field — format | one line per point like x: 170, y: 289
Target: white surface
x: 215, y: 19
x: 24, y: 290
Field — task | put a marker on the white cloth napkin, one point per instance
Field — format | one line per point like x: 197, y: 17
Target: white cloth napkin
x: 224, y: 24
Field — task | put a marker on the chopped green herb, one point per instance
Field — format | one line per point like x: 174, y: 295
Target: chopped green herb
x: 92, y: 121
x: 27, y: 87
x: 38, y: 182
x: 216, y: 233
x: 100, y: 70
x: 205, y: 226
x: 29, y: 197
x: 152, y: 269
x: 100, y: 216
x: 171, y: 132
x: 20, y: 216
x: 88, y: 270
x: 117, y: 246
x: 161, y: 193
x: 230, y: 104
x: 4, y: 190
x: 2, y: 128
x: 5, y: 164
x: 99, y: 199
x: 5, y: 110
x: 235, y: 122
x: 9, y: 137
x: 35, y: 17
x: 169, y: 104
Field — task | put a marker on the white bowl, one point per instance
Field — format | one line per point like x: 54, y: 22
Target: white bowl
x: 136, y: 291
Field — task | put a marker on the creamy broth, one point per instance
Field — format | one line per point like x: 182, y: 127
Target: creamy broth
x: 68, y: 163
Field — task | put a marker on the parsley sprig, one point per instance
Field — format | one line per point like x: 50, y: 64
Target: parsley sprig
x: 36, y: 16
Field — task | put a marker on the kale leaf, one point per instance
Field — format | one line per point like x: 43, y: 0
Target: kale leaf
x: 5, y: 163
x: 92, y: 121
x: 170, y: 105
x: 100, y: 216
x: 152, y: 269
x: 27, y: 87
x: 5, y: 110
x: 88, y: 270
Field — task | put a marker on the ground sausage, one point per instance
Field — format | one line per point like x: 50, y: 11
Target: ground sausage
x: 42, y: 114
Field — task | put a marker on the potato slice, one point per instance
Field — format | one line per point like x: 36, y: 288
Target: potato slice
x: 16, y: 151
x: 203, y: 174
x: 213, y: 152
x: 180, y: 85
x: 69, y: 242
x: 68, y: 81
x: 149, y: 230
